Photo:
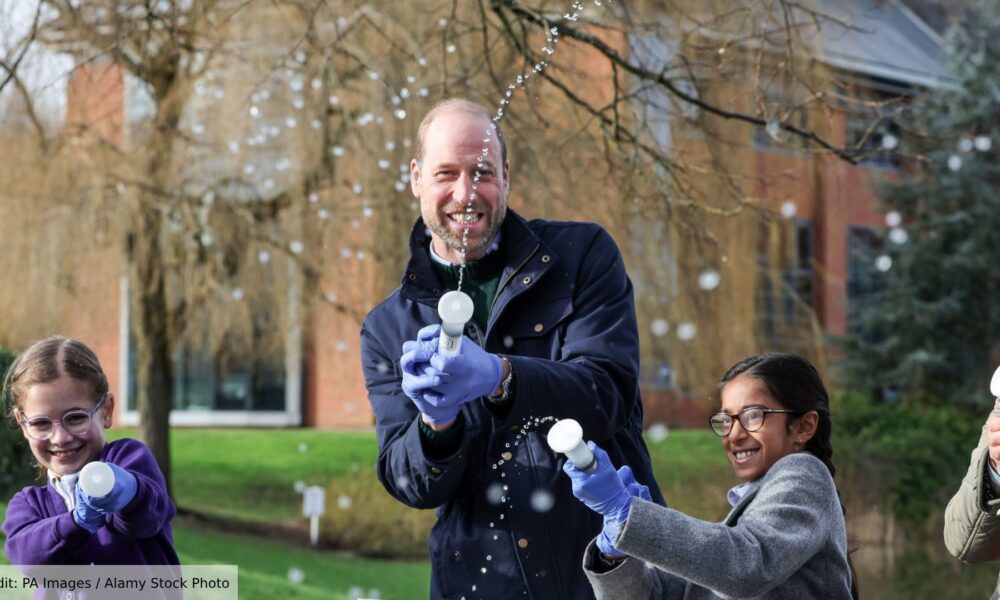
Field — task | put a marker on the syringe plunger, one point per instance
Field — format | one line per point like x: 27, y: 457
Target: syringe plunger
x: 97, y: 479
x: 566, y: 436
x: 455, y: 309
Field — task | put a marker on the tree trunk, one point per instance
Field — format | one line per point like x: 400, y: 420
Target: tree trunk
x: 150, y: 328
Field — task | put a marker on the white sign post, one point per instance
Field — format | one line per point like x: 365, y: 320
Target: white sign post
x: 313, y: 506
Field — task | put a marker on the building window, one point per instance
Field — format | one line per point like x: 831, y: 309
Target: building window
x: 785, y: 285
x: 253, y: 382
x: 864, y: 244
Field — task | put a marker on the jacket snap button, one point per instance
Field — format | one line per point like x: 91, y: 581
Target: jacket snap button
x: 506, y: 456
x: 539, y: 327
x: 523, y: 543
x: 412, y: 277
x: 435, y: 470
x: 546, y: 258
x: 526, y: 280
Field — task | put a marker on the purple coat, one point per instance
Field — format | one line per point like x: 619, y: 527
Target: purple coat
x: 41, y: 531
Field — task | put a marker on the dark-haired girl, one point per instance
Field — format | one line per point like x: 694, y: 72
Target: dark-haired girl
x: 785, y: 536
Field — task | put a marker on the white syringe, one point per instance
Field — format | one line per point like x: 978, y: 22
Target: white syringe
x: 97, y: 479
x: 455, y: 309
x: 566, y: 436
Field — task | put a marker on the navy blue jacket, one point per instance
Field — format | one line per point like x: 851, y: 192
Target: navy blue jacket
x: 564, y: 316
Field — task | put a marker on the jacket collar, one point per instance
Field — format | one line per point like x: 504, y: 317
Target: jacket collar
x: 420, y: 282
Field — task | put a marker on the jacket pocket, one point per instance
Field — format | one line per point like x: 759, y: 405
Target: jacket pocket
x: 538, y: 329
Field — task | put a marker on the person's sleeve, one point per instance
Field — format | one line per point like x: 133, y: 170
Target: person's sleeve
x: 784, y: 526
x: 36, y: 540
x: 151, y: 509
x: 631, y: 579
x: 595, y: 380
x: 419, y: 470
x: 971, y: 522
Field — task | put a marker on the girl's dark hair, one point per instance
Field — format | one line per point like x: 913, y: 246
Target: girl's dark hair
x: 795, y: 384
x: 46, y: 361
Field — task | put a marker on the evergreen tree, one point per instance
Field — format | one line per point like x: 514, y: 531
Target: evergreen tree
x: 932, y: 327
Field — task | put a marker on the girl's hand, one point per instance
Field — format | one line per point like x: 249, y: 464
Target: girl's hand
x: 85, y: 515
x: 120, y: 495
x: 993, y: 431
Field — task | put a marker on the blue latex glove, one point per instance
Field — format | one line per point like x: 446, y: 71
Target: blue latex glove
x: 603, y: 490
x: 120, y: 495
x: 85, y: 515
x: 466, y: 376
x: 613, y: 527
x: 419, y: 376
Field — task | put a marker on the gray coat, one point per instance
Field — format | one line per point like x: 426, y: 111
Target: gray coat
x: 785, y: 539
x: 971, y: 523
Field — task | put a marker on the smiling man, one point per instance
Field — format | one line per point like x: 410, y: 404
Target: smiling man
x: 553, y: 334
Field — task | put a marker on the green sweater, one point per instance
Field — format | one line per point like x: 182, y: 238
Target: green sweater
x: 482, y: 277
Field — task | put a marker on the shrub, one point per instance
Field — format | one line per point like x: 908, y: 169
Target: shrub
x: 362, y: 517
x: 16, y: 463
x: 912, y: 455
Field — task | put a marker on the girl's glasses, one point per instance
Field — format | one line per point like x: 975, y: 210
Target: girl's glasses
x: 76, y: 422
x: 750, y: 418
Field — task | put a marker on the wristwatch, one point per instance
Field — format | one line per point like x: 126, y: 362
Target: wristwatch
x: 505, y: 385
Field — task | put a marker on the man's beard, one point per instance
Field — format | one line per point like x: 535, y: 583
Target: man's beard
x: 473, y: 245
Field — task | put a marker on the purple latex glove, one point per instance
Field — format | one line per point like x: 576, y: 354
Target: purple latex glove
x: 419, y: 376
x: 85, y: 515
x: 120, y: 495
x: 466, y: 376
x: 604, y: 490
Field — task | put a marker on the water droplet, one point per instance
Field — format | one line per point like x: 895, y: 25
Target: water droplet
x: 373, y: 75
x: 383, y: 164
x: 315, y: 124
x: 893, y: 219
x: 442, y: 22
x: 889, y: 141
x: 345, y: 252
x: 481, y: 570
x: 300, y: 486
x: 303, y: 447
x: 296, y: 84
x: 337, y: 151
x: 402, y: 481
x: 423, y: 92
x: 965, y: 144
x: 356, y: 188
x: 657, y: 432
x: 334, y: 100
x: 542, y: 500
x: 317, y: 83
x: 686, y: 331
x: 450, y: 49
x: 883, y: 263
x: 238, y: 294
x: 983, y: 143
x: 290, y: 122
x: 788, y: 209
x: 298, y: 103
x: 659, y: 327
x: 400, y: 114
x: 367, y: 212
x: 954, y: 162
x: 207, y: 239
x: 234, y: 146
x: 254, y: 112
x: 296, y: 575
x: 773, y: 129
x: 264, y: 257
x: 709, y: 280
x: 898, y: 235
x: 296, y: 247
x: 344, y: 502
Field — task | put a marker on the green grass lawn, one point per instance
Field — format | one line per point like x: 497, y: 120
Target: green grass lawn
x: 264, y: 567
